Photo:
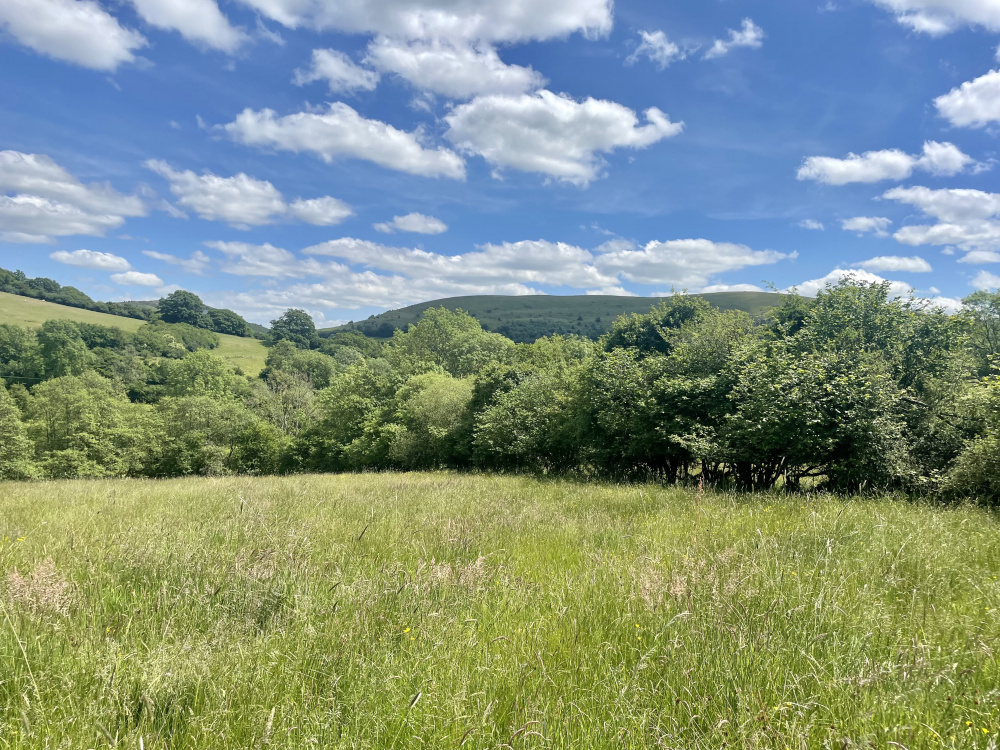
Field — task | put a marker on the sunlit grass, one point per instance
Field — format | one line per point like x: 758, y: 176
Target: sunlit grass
x: 441, y: 611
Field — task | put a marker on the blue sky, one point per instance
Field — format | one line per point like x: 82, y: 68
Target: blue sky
x: 351, y: 156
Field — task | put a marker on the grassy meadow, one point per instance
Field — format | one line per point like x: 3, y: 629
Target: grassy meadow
x: 245, y: 353
x: 447, y: 611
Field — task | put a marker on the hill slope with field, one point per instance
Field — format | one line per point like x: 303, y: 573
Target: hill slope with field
x: 525, y: 319
x: 245, y: 353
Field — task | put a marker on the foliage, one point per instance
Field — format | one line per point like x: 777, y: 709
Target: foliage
x: 524, y: 319
x: 16, y: 450
x: 655, y: 331
x: 62, y: 348
x: 20, y: 357
x: 202, y: 374
x: 212, y: 436
x: 315, y: 367
x: 982, y: 311
x: 296, y: 327
x: 85, y: 426
x: 430, y: 410
x: 186, y: 308
x: 975, y: 474
x: 855, y: 391
x: 228, y: 322
x: 453, y: 341
x: 829, y: 414
x: 181, y: 307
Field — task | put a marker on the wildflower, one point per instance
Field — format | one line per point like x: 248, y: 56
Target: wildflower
x: 406, y: 631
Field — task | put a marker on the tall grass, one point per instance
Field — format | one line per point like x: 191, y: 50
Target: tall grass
x: 441, y: 611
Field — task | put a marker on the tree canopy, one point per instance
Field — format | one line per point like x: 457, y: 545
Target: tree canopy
x: 850, y: 392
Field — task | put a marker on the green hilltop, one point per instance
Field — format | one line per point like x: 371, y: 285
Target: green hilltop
x: 525, y: 319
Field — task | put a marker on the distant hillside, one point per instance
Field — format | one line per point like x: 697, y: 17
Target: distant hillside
x: 49, y: 290
x: 246, y: 353
x: 525, y: 319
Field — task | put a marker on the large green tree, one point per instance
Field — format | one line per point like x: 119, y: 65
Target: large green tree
x: 85, y: 426
x: 297, y: 327
x: 228, y: 322
x: 63, y: 350
x: 454, y: 341
x: 431, y: 410
x: 182, y: 307
x: 16, y: 450
x: 20, y: 356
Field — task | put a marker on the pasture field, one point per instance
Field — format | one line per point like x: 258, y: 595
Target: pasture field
x: 447, y: 611
x: 247, y: 354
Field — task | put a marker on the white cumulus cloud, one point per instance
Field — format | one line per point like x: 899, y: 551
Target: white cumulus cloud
x: 321, y: 212
x: 97, y: 261
x: 974, y: 104
x: 812, y: 224
x: 682, y: 263
x: 657, y: 48
x: 43, y: 200
x: 986, y: 280
x: 341, y: 73
x: 552, y: 134
x: 136, y: 278
x: 512, y: 263
x: 197, y: 264
x: 342, y: 132
x: 969, y: 219
x: 941, y: 159
x: 877, y: 225
x: 418, y: 223
x: 717, y: 288
x: 750, y: 35
x: 484, y: 20
x: 76, y: 31
x: 198, y: 21
x: 244, y: 201
x: 938, y: 17
x: 914, y: 264
x: 457, y: 70
x: 240, y: 200
x: 980, y: 257
x: 244, y: 259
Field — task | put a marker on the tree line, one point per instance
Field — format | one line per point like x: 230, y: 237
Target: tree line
x: 177, y: 307
x: 853, y: 391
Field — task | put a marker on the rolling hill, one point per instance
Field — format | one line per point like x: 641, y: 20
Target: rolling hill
x: 245, y: 353
x: 525, y: 319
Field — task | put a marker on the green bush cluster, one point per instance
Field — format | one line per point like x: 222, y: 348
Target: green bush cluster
x: 854, y: 391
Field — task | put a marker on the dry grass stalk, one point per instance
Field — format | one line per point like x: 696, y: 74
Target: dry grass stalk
x: 44, y: 591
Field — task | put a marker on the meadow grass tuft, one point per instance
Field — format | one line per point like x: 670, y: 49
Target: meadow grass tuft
x: 447, y: 611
